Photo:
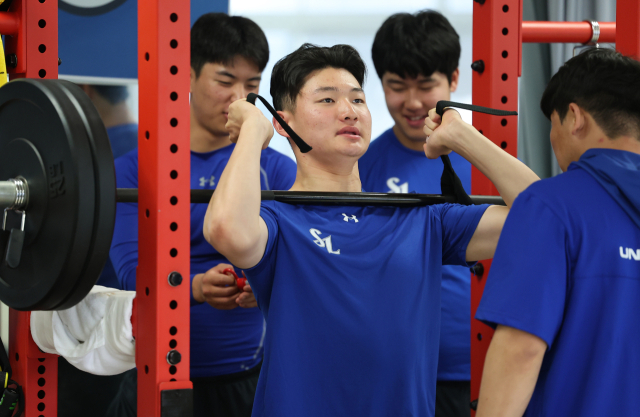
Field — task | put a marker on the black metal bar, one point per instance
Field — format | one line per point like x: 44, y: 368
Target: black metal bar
x: 130, y: 195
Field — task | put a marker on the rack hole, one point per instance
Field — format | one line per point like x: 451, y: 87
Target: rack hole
x: 41, y: 394
x: 41, y: 382
x: 173, y: 43
x: 505, y: 54
x: 504, y: 99
x: 173, y: 304
x: 42, y: 48
x: 174, y: 96
x: 173, y: 70
x: 505, y: 8
x: 42, y: 73
x: 173, y: 343
x: 173, y: 200
x: 174, y: 122
x: 479, y: 336
x: 17, y: 357
x: 42, y: 23
x: 172, y: 379
x: 173, y: 330
x: 146, y: 369
x: 41, y: 369
x: 173, y: 17
x: 146, y: 134
x: 173, y: 226
x: 505, y: 77
x: 173, y: 252
x: 146, y: 291
x: 481, y: 132
x: 174, y: 148
x: 173, y: 174
x: 503, y: 145
x: 173, y: 370
x: 503, y: 122
x: 505, y: 31
x: 41, y: 1
x: 41, y: 359
x: 146, y: 56
x: 40, y: 406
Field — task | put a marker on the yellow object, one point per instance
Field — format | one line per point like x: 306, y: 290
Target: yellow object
x: 6, y: 375
x: 3, y: 64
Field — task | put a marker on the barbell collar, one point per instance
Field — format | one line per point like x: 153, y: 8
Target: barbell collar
x: 130, y: 195
x: 14, y: 194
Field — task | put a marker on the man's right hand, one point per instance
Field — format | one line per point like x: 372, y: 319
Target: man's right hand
x: 242, y: 113
x: 216, y: 288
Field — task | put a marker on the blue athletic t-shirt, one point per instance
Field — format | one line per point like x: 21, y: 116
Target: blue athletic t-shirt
x: 123, y: 139
x: 351, y: 297
x: 222, y: 341
x: 567, y: 269
x: 390, y: 167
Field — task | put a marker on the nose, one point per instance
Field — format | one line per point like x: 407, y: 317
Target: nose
x: 347, y: 111
x: 412, y: 101
x: 238, y: 92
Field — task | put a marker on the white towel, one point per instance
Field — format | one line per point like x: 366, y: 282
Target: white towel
x: 95, y: 335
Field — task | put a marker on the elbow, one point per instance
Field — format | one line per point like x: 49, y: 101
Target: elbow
x: 226, y: 239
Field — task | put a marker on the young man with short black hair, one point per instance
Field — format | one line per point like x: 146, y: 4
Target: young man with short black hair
x: 351, y: 295
x: 416, y: 58
x: 564, y: 289
x: 228, y: 55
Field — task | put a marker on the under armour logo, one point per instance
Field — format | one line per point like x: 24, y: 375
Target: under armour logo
x: 347, y: 218
x: 211, y: 181
x: 392, y: 183
x: 323, y: 242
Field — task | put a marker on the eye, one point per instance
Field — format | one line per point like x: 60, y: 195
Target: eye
x: 359, y: 101
x: 252, y: 87
x: 426, y: 88
x: 225, y: 83
x: 398, y: 90
x: 326, y: 100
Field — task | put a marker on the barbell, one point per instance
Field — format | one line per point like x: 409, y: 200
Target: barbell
x: 59, y: 198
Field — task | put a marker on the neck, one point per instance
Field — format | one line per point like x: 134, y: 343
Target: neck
x: 408, y: 142
x: 312, y: 176
x: 203, y: 140
x: 622, y: 143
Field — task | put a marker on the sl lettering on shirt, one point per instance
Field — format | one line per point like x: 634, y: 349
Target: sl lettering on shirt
x: 323, y: 242
x: 395, y: 187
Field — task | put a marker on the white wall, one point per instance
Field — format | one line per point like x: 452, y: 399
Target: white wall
x: 290, y: 23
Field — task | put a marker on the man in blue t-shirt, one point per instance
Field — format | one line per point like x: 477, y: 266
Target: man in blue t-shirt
x: 416, y: 57
x: 351, y: 295
x: 227, y: 329
x: 564, y: 289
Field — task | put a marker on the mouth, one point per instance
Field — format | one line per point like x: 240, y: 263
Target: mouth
x: 350, y: 132
x: 415, y: 121
x: 226, y: 115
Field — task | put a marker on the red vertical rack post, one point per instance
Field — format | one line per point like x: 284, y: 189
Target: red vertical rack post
x: 496, y: 42
x: 162, y: 334
x: 628, y: 25
x: 34, y: 47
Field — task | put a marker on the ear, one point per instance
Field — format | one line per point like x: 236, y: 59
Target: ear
x: 277, y: 125
x: 577, y: 118
x: 192, y: 80
x: 453, y: 86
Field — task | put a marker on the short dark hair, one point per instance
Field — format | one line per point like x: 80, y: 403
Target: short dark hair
x: 114, y: 94
x: 416, y: 44
x: 291, y: 72
x: 602, y: 82
x: 219, y: 38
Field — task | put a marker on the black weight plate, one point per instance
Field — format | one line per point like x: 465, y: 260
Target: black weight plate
x: 60, y: 214
x: 105, y: 191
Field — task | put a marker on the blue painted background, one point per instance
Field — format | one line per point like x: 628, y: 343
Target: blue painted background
x: 106, y: 45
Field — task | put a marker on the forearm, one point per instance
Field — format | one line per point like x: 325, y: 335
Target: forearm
x: 232, y: 218
x: 508, y: 174
x: 510, y: 373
